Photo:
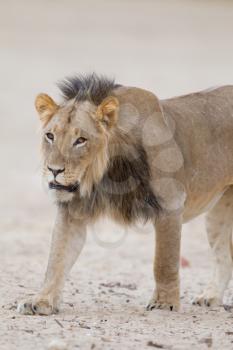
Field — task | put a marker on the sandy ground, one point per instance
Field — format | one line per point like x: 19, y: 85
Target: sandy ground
x: 170, y: 47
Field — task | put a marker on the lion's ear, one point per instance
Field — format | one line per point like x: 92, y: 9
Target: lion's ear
x: 107, y: 111
x: 45, y: 107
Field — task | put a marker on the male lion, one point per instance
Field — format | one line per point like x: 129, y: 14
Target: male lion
x: 121, y: 152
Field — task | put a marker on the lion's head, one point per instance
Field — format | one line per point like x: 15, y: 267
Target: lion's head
x: 93, y: 149
x: 76, y: 134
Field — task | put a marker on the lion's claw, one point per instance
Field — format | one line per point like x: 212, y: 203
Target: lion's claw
x: 161, y: 306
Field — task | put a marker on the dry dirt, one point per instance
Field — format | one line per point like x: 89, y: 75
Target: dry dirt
x: 170, y: 47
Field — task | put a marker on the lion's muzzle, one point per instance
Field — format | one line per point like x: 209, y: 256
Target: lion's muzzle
x: 59, y: 187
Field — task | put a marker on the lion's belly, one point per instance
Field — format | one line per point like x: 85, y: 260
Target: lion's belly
x: 196, y: 206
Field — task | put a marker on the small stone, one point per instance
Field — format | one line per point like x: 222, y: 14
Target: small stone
x: 207, y: 341
x: 57, y: 344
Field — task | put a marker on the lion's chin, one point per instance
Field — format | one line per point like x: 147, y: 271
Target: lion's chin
x: 60, y: 196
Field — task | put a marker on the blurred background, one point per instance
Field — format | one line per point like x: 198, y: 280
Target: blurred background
x: 170, y: 47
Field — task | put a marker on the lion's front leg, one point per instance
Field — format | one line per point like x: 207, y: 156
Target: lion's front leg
x: 166, y: 264
x: 67, y: 242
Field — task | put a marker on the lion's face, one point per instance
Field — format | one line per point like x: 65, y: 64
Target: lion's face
x: 74, y: 144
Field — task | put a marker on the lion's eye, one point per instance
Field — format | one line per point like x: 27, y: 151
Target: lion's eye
x: 49, y: 136
x: 80, y: 141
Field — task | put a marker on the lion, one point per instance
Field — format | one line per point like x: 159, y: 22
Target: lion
x: 119, y: 151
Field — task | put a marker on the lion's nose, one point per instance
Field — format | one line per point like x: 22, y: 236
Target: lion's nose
x: 56, y: 171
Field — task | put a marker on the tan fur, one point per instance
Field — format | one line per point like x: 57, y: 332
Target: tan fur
x: 46, y: 107
x: 188, y: 142
x: 107, y: 111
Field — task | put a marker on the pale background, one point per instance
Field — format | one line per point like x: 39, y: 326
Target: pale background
x: 169, y: 47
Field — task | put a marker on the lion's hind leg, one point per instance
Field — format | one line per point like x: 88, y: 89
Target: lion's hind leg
x: 219, y: 224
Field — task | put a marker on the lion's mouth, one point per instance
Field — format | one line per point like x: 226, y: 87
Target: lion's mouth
x: 59, y: 187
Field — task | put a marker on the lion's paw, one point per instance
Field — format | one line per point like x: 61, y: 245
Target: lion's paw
x: 210, y: 297
x: 37, y: 307
x: 163, y: 304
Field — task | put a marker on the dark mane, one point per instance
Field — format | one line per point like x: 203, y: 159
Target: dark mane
x: 126, y: 184
x: 124, y: 190
x: 89, y: 87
